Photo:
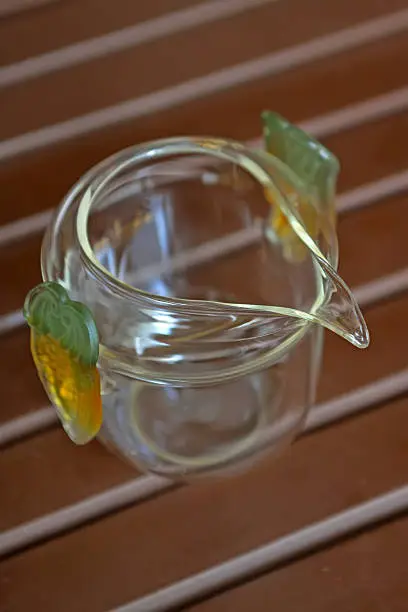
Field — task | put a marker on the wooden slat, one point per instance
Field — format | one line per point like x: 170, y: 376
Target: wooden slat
x: 47, y: 175
x: 27, y: 424
x: 368, y: 110
x: 368, y: 220
x: 84, y: 471
x: 371, y: 193
x: 20, y: 266
x: 23, y: 390
x: 377, y: 147
x: 195, y: 527
x: 364, y: 140
x: 15, y: 400
x: 380, y: 290
x: 383, y: 289
x: 124, y: 542
x: 203, y: 86
x: 367, y: 573
x: 18, y: 400
x: 126, y: 38
x: 126, y: 72
x: 20, y: 263
x: 388, y: 506
x: 344, y: 369
x: 274, y: 27
x: 69, y: 21
x: 380, y: 225
x: 381, y: 216
x: 11, y: 7
x: 139, y: 489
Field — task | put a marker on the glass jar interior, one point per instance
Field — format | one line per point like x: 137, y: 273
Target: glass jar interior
x: 193, y: 227
x: 162, y: 248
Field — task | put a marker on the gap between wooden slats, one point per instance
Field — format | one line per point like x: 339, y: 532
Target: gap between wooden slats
x: 11, y: 7
x: 125, y: 38
x: 138, y: 490
x: 306, y: 540
x: 362, y: 196
x: 352, y: 201
x: 114, y: 499
x: 371, y: 293
x: 378, y: 289
x: 280, y: 552
x: 321, y: 126
x: 273, y: 63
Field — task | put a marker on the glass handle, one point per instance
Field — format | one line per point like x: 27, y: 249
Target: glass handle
x: 313, y: 164
x: 65, y: 349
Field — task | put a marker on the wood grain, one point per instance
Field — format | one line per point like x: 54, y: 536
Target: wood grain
x: 367, y: 573
x: 18, y: 399
x: 20, y: 262
x: 38, y: 181
x: 70, y: 21
x: 195, y: 527
x: 10, y: 7
x: 344, y: 369
x: 143, y: 69
x: 341, y: 373
x: 132, y: 549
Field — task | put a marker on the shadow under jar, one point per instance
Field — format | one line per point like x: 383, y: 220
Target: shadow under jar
x: 170, y: 246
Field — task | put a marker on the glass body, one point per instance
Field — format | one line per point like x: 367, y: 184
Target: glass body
x: 170, y: 245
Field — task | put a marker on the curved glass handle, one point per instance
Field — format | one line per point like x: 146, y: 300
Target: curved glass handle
x: 65, y: 347
x: 305, y: 220
x: 313, y: 164
x: 311, y: 174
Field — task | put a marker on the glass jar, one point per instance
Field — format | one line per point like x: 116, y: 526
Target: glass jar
x: 210, y: 272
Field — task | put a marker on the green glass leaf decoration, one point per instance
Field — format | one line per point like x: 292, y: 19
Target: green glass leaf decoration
x: 315, y: 165
x: 49, y: 310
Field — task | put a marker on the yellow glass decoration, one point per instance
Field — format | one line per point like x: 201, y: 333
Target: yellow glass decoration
x: 316, y: 171
x: 64, y: 345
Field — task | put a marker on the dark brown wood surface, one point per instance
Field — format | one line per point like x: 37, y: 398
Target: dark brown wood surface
x: 79, y: 529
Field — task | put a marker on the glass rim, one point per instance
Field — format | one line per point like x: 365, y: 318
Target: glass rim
x: 93, y: 182
x: 223, y: 149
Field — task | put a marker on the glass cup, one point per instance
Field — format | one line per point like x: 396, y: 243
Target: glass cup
x: 210, y: 272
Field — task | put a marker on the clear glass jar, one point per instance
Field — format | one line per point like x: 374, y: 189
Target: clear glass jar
x: 210, y: 284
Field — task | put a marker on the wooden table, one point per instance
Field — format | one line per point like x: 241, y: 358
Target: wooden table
x: 323, y: 529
